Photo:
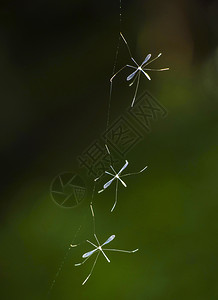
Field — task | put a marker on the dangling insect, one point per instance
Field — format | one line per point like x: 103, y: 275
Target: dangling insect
x: 139, y: 69
x: 99, y: 249
x: 117, y: 177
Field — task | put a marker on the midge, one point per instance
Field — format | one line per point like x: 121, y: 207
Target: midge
x: 99, y: 249
x: 116, y: 176
x: 139, y: 69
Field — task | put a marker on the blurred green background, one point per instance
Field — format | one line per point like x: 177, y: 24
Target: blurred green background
x: 55, y: 63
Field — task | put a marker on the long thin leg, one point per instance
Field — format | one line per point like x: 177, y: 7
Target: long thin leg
x: 102, y: 175
x: 116, y: 193
x: 107, y: 148
x: 136, y: 90
x: 130, y: 53
x: 125, y: 251
x: 134, y: 80
x: 97, y: 178
x: 91, y: 243
x: 123, y: 183
x: 105, y: 256
x: 96, y: 239
x: 108, y: 151
x: 79, y: 264
x: 112, y: 168
x: 109, y: 173
x: 164, y: 69
x: 111, y: 79
x: 135, y: 173
x: 93, y: 217
x: 149, y: 78
x: 91, y: 269
x: 150, y: 61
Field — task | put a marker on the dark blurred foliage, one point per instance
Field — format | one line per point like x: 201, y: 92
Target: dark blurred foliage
x: 56, y: 59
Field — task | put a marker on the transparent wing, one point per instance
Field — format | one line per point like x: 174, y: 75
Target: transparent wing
x: 109, y: 240
x: 87, y: 254
x: 153, y: 59
x: 109, y: 183
x: 146, y: 59
x: 123, y: 168
x: 131, y: 75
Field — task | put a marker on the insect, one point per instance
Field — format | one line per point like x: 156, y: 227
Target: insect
x: 99, y: 249
x: 138, y: 69
x: 117, y: 176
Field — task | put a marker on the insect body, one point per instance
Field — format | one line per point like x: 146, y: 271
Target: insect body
x: 99, y: 249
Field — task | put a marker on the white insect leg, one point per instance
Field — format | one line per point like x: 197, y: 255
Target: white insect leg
x: 152, y: 60
x: 92, y: 210
x: 129, y: 66
x: 116, y: 195
x: 112, y: 168
x: 109, y: 173
x: 136, y: 90
x: 93, y: 218
x: 164, y: 69
x: 108, y: 151
x: 79, y: 264
x: 135, y: 173
x: 91, y: 243
x: 91, y: 269
x: 130, y: 53
x: 96, y: 239
x: 123, y: 183
x: 124, y: 251
x: 149, y: 78
x: 105, y: 256
x: 96, y: 179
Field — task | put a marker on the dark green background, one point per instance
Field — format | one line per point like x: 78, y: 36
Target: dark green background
x: 55, y: 63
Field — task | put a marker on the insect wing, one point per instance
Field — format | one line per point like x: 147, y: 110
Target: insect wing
x: 108, y: 183
x: 87, y: 254
x: 131, y: 75
x: 109, y: 240
x: 146, y: 59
